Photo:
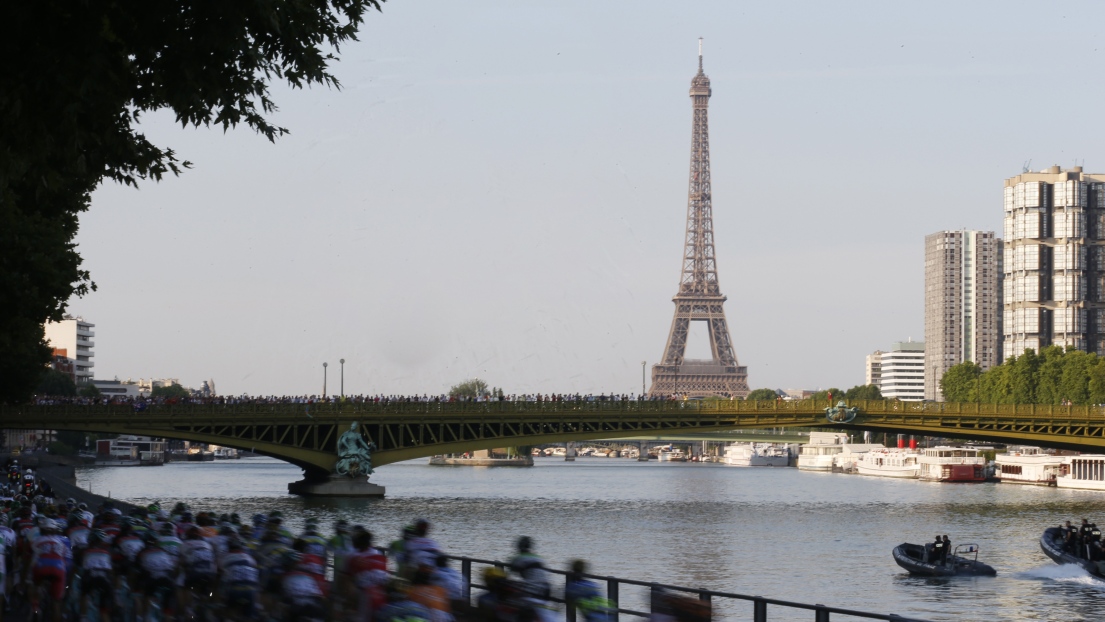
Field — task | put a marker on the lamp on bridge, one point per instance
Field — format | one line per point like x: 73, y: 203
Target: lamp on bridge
x: 342, y: 361
x: 324, y: 380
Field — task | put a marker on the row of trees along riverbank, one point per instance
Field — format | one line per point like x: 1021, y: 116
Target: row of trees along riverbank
x: 1054, y: 376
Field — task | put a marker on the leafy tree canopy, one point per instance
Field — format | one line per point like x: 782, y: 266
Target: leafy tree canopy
x: 54, y: 382
x: 77, y: 78
x: 1054, y: 376
x: 172, y: 390
x: 469, y: 388
x: 836, y: 393
x: 90, y: 390
x: 863, y: 392
x: 760, y: 395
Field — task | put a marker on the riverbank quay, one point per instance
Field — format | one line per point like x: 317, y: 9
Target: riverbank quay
x: 682, y: 604
x: 60, y: 473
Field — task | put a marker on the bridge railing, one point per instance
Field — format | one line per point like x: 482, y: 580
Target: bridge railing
x: 653, y: 594
x: 631, y: 407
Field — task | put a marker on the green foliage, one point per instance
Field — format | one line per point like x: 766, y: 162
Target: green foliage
x: 1054, y: 376
x: 77, y: 78
x: 863, y: 392
x: 90, y: 390
x: 469, y: 388
x: 762, y: 395
x: 961, y: 382
x: 54, y: 382
x: 173, y: 390
x: 59, y: 448
x: 824, y: 395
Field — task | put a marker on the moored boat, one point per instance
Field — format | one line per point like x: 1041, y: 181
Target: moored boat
x: 756, y: 455
x: 952, y: 464
x: 963, y: 562
x: 1085, y: 472
x: 1027, y: 465
x: 130, y: 450
x: 901, y: 463
x: 1051, y: 543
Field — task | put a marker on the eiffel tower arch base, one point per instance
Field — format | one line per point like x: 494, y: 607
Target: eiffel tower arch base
x: 699, y: 379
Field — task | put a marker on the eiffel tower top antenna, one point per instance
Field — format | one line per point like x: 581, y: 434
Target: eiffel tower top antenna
x: 700, y: 55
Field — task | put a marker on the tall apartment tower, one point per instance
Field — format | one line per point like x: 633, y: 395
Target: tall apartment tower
x: 962, y: 303
x: 1054, y: 261
x: 74, y: 335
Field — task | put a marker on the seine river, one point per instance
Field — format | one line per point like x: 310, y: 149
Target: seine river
x: 780, y: 533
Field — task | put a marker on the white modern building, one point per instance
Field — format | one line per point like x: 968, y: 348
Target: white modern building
x: 962, y: 303
x: 873, y: 373
x: 74, y: 335
x: 117, y: 388
x: 1054, y: 261
x: 902, y: 371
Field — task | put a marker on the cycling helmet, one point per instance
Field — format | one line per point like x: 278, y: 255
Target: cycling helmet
x: 525, y: 544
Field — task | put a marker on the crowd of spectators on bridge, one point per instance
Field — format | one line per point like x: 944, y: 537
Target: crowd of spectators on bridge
x: 230, y: 400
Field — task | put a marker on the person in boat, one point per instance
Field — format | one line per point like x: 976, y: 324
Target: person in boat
x: 937, y: 555
x: 947, y: 548
x: 1068, y: 533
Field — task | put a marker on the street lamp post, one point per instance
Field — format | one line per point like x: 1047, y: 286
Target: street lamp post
x: 342, y: 361
x: 324, y: 380
x: 642, y: 379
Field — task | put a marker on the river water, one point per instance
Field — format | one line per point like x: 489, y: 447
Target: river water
x: 780, y: 533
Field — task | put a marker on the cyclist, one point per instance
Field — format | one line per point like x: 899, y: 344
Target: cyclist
x: 7, y: 550
x: 300, y: 591
x: 158, y: 569
x: 366, y: 569
x: 240, y: 581
x: 168, y: 540
x: 197, y: 558
x: 96, y: 575
x: 50, y: 558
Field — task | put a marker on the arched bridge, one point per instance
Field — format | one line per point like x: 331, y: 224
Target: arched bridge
x: 306, y: 434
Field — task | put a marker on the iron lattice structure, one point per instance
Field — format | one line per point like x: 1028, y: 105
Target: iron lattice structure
x: 699, y: 297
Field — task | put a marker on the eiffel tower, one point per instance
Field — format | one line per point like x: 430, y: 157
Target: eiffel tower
x: 699, y: 298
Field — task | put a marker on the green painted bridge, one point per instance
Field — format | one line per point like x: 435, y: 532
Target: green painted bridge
x: 306, y: 435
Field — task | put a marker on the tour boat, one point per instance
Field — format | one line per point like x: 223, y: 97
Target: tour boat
x: 130, y: 451
x: 960, y: 563
x: 484, y: 457
x: 1051, y: 543
x: 828, y: 451
x: 673, y: 455
x: 1028, y: 465
x: 1086, y: 472
x: 756, y: 455
x: 224, y: 453
x: 901, y: 463
x: 953, y: 464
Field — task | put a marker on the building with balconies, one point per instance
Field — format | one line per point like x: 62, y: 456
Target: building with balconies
x: 75, y: 337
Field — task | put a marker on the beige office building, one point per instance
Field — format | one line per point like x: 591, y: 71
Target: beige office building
x: 962, y: 303
x: 1054, y: 261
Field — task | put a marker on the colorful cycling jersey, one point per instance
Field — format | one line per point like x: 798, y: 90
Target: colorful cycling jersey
x: 157, y: 563
x: 300, y: 586
x: 51, y: 550
x: 172, y: 544
x: 7, y: 539
x: 239, y: 568
x: 130, y: 546
x: 198, y: 556
x: 316, y: 545
x: 78, y: 535
x: 367, y: 568
x: 97, y: 559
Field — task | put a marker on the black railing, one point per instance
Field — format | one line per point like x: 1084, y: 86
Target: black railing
x: 759, y: 604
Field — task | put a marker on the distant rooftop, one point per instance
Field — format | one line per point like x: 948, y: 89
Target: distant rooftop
x: 908, y: 346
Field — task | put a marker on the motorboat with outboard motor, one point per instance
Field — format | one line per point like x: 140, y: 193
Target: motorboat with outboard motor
x: 1051, y: 543
x: 915, y: 559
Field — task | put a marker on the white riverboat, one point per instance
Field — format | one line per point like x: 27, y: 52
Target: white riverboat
x: 953, y: 464
x: 1085, y: 472
x: 130, y: 450
x: 1028, y: 465
x: 672, y: 455
x: 756, y: 455
x: 902, y: 463
x: 828, y: 451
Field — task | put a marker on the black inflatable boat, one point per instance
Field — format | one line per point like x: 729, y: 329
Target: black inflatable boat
x: 1051, y: 543
x: 915, y: 559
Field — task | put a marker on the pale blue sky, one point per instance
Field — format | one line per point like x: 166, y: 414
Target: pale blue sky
x: 500, y: 191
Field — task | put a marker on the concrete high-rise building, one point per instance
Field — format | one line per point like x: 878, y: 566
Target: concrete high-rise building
x: 903, y: 372
x: 74, y: 335
x: 962, y: 303
x: 1054, y: 261
x: 873, y: 374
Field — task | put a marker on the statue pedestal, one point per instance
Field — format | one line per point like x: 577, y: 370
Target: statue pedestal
x: 336, y: 486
